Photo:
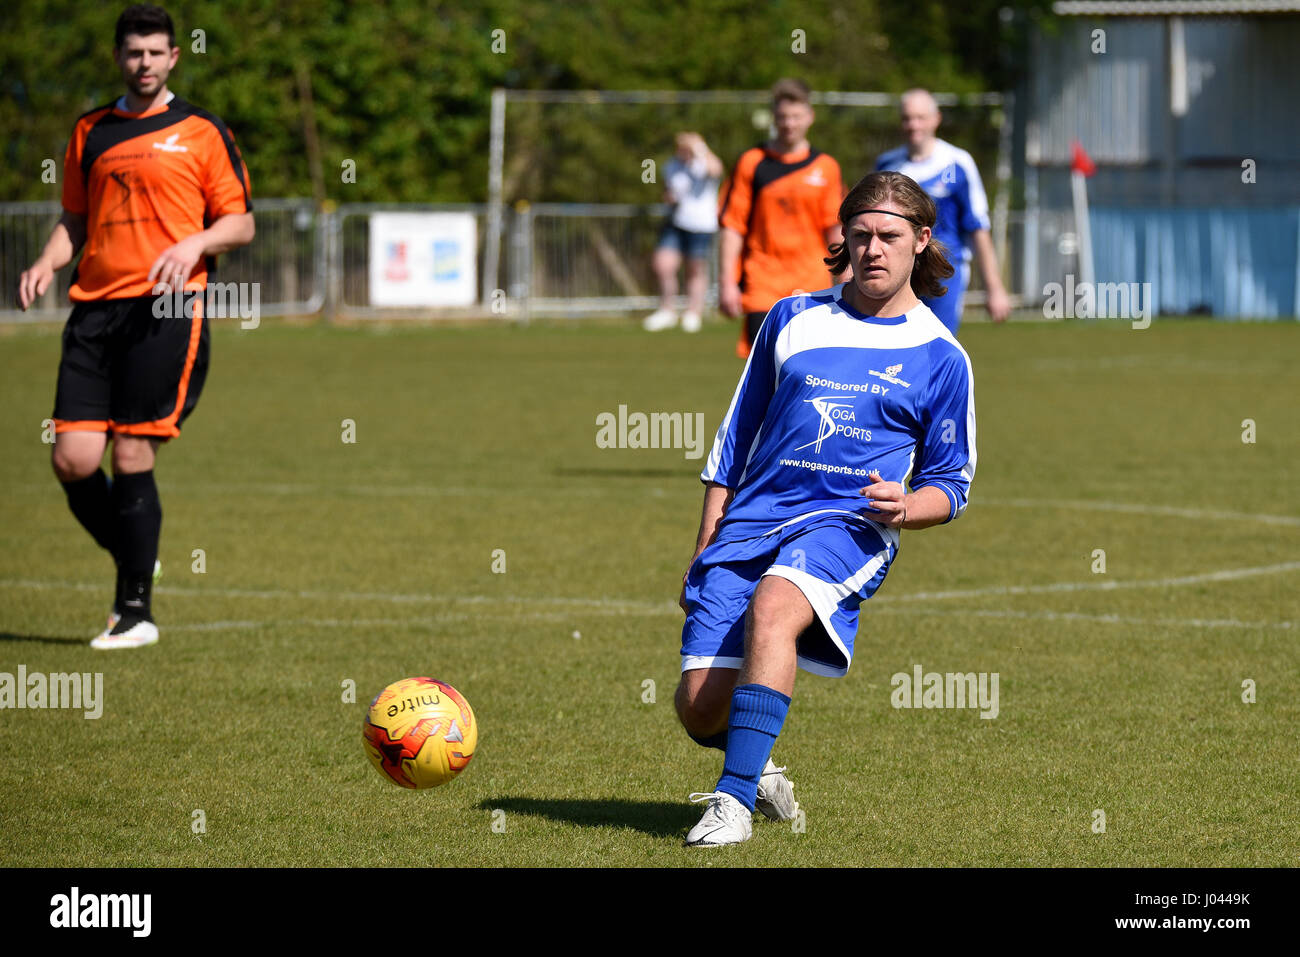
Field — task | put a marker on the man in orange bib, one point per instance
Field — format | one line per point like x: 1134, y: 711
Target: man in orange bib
x: 778, y: 216
x: 153, y: 188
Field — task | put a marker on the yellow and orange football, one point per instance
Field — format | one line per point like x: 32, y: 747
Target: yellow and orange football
x: 419, y: 733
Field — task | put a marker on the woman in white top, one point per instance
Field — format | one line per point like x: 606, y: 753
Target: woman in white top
x: 691, y: 181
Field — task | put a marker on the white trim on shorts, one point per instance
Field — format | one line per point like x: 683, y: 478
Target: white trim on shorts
x: 825, y: 598
x: 695, y: 662
x: 890, y: 535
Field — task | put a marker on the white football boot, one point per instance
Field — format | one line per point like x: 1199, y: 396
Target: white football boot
x: 659, y: 320
x: 114, y: 617
x: 691, y: 322
x: 725, y: 821
x: 138, y: 635
x: 776, y: 795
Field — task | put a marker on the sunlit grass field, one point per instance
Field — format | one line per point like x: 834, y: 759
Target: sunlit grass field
x: 330, y: 564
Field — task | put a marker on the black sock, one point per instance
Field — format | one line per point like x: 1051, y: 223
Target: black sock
x: 138, y: 515
x: 91, y: 502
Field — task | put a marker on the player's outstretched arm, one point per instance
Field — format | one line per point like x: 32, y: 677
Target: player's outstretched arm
x: 889, y: 505
x: 229, y: 232
x: 716, y: 499
x: 67, y: 238
x: 175, y: 263
x: 999, y: 304
x: 728, y: 282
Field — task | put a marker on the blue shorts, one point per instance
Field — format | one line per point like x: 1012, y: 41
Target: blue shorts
x: 948, y: 306
x: 835, y: 561
x: 689, y: 244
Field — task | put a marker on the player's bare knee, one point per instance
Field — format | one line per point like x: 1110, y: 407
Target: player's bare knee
x: 666, y: 261
x: 76, y: 455
x: 132, y: 454
x: 72, y: 465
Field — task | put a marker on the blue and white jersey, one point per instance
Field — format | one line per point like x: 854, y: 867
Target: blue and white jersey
x: 828, y: 395
x: 949, y: 175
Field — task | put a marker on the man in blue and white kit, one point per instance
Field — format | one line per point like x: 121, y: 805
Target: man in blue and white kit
x: 850, y: 395
x: 950, y: 177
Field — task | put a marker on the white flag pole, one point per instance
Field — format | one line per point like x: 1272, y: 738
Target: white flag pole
x: 1082, y: 228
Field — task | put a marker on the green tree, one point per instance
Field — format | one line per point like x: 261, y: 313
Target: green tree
x: 402, y: 87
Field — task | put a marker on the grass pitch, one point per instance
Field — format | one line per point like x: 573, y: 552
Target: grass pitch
x: 329, y: 562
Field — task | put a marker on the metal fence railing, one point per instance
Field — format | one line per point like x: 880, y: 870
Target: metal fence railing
x: 566, y: 259
x: 585, y: 258
x: 286, y: 260
x: 24, y: 228
x: 582, y: 258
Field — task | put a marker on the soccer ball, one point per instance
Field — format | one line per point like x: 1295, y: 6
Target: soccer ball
x: 419, y: 733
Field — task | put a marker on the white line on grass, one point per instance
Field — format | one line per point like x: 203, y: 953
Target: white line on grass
x: 1223, y: 575
x: 1101, y: 619
x: 1138, y: 509
x: 607, y: 604
x: 625, y: 605
x: 319, y: 623
x: 299, y: 489
x: 946, y: 612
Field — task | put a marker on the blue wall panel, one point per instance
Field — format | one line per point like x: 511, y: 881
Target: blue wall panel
x: 1229, y: 262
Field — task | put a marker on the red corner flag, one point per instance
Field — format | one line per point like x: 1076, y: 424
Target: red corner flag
x: 1080, y: 162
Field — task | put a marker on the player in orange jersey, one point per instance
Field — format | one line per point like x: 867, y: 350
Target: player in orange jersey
x: 153, y: 188
x: 779, y: 214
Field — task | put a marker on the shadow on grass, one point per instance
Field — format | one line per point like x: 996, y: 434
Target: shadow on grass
x: 44, y: 639
x: 623, y: 473
x: 656, y: 818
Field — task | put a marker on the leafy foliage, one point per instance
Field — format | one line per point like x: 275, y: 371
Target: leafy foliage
x: 402, y: 87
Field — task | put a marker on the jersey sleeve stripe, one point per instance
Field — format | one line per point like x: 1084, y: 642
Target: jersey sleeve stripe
x: 954, y: 503
x: 714, y: 462
x: 232, y: 151
x: 979, y: 201
x: 731, y: 185
x: 729, y: 430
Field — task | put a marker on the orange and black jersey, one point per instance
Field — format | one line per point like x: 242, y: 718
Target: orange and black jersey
x: 145, y: 181
x: 782, y: 204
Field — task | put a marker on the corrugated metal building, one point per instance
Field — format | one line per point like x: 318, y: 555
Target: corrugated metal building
x: 1189, y: 110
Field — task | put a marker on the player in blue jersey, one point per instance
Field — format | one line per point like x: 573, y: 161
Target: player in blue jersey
x: 850, y: 395
x: 949, y: 176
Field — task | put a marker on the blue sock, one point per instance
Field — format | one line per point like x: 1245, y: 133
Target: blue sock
x: 718, y: 740
x: 757, y: 713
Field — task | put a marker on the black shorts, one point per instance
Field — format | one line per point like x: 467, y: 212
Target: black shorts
x: 127, y: 371
x: 753, y: 322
